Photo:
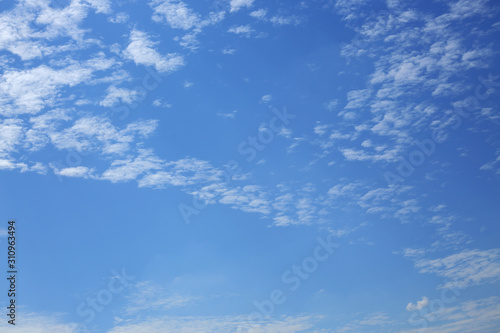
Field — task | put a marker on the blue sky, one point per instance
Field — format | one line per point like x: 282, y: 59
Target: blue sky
x: 251, y: 166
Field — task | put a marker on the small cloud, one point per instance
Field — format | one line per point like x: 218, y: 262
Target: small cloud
x: 119, y: 18
x: 438, y: 208
x: 285, y: 20
x: 76, y: 172
x: 230, y: 115
x: 238, y: 4
x: 228, y: 51
x: 158, y: 103
x: 285, y: 132
x: 81, y: 102
x: 116, y: 95
x: 367, y: 144
x: 312, y: 67
x: 188, y: 84
x: 348, y: 115
x: 259, y: 14
x: 332, y: 105
x: 321, y: 129
x: 261, y: 162
x: 244, y: 30
x: 141, y: 50
x: 420, y: 305
x: 189, y: 41
x: 266, y: 98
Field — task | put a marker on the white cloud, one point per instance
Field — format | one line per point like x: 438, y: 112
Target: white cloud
x: 285, y: 132
x: 133, y: 167
x: 30, y: 90
x: 249, y: 198
x: 480, y: 315
x: 420, y: 305
x: 357, y: 98
x: 266, y: 98
x: 230, y: 115
x: 361, y: 155
x: 9, y: 164
x: 332, y: 105
x: 417, y: 53
x: 464, y: 269
x: 189, y: 41
x: 147, y: 296
x: 158, y: 103
x: 218, y: 324
x: 141, y: 51
x: 244, y: 30
x: 101, y: 6
x: 228, y: 51
x: 116, y: 95
x: 321, y: 129
x: 495, y: 164
x: 97, y: 133
x: 65, y: 21
x: 175, y: 13
x: 367, y: 323
x: 184, y: 172
x: 77, y: 172
x: 37, y: 323
x: 259, y: 14
x: 26, y: 29
x: 285, y: 20
x: 343, y: 190
x: 349, y: 8
x: 119, y: 18
x: 11, y: 134
x: 238, y: 4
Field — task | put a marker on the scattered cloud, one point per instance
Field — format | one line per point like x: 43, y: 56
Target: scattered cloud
x: 419, y: 306
x: 244, y: 30
x: 175, y: 13
x: 141, y: 51
x: 160, y: 104
x: 480, y: 315
x: 266, y: 98
x: 259, y: 14
x: 147, y: 296
x: 119, y: 95
x: 285, y: 20
x: 119, y: 18
x: 77, y: 172
x: 238, y: 4
x: 230, y: 115
x: 228, y: 51
x: 464, y: 269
